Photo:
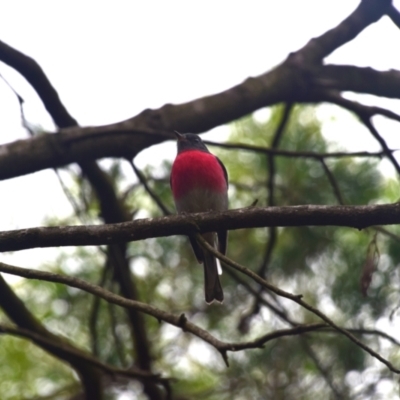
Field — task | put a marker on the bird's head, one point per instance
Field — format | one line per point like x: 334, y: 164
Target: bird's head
x: 190, y: 141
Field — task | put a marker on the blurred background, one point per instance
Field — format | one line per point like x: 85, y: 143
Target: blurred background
x: 111, y: 60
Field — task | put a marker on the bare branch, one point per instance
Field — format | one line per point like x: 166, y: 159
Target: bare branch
x: 182, y: 322
x: 368, y: 12
x: 359, y: 109
x: 383, y: 143
x: 271, y: 185
x: 365, y: 113
x: 322, y: 369
x: 394, y: 15
x: 149, y: 190
x: 260, y: 342
x: 53, y: 151
x: 357, y: 79
x: 272, y: 231
x: 176, y: 320
x: 34, y: 74
x: 358, y: 217
x: 295, y: 154
x: 119, y: 348
x: 94, y: 312
x: 274, y: 145
x: 374, y: 332
x: 333, y: 182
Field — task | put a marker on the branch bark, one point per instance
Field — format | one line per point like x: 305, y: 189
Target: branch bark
x: 358, y: 217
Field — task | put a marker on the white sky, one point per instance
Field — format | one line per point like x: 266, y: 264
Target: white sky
x: 110, y: 60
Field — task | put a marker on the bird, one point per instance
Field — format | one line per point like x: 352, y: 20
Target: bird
x: 199, y: 183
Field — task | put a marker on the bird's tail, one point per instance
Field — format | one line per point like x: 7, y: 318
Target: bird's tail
x: 212, y: 286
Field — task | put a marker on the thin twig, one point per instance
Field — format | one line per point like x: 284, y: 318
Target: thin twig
x: 274, y: 145
x: 333, y: 182
x: 271, y: 185
x: 179, y: 321
x: 182, y: 322
x: 297, y: 154
x: 357, y: 108
x: 389, y: 234
x: 261, y: 300
x: 117, y: 340
x: 365, y: 114
x: 94, y: 313
x: 382, y: 142
x: 262, y: 340
x: 272, y: 231
x: 149, y: 190
x: 322, y: 369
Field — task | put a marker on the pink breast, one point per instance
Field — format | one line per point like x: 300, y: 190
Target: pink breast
x: 196, y: 169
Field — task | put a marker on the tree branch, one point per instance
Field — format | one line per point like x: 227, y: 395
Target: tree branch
x: 149, y: 190
x: 295, y: 154
x: 178, y: 321
x: 368, y: 12
x: 394, y: 15
x: 333, y: 182
x: 358, y: 217
x: 34, y: 74
x: 357, y: 79
x: 182, y: 323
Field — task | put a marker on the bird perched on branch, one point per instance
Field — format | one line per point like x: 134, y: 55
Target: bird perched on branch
x: 199, y: 183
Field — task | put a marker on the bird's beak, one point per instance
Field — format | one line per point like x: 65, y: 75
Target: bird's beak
x: 179, y: 136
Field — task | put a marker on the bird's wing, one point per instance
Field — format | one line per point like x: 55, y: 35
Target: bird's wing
x: 223, y: 235
x: 224, y: 169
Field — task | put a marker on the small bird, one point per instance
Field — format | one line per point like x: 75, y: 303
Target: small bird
x: 199, y: 183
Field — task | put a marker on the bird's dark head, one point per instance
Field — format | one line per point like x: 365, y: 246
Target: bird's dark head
x: 190, y: 141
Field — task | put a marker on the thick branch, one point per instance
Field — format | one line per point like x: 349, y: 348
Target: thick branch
x: 127, y: 139
x: 358, y: 217
x: 357, y: 79
x: 34, y: 74
x: 368, y: 12
x: 394, y: 15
